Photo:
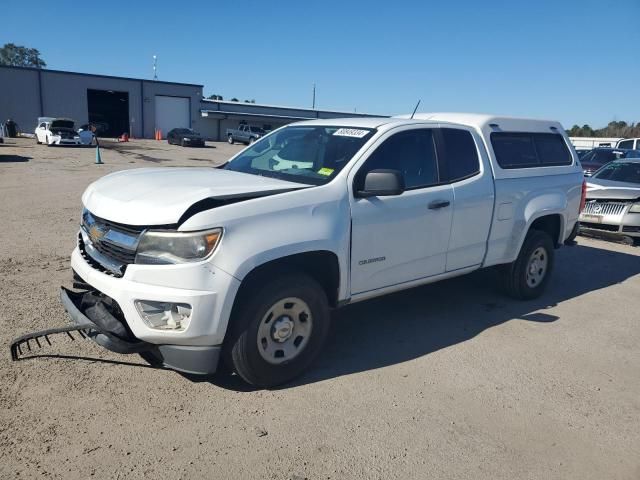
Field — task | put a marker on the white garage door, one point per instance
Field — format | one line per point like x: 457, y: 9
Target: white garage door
x: 172, y: 112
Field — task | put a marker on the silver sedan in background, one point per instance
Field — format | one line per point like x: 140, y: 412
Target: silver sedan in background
x: 613, y: 200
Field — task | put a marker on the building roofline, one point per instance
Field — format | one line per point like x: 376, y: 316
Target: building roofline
x: 102, y: 76
x: 284, y: 107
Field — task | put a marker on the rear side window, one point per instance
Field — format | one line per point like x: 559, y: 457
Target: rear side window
x: 460, y: 154
x: 527, y: 150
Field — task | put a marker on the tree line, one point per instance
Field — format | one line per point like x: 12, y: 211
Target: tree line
x: 18, y: 56
x: 613, y: 129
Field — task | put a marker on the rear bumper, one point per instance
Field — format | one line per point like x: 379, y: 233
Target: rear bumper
x: 196, y: 360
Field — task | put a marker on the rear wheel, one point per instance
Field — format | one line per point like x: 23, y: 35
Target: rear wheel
x: 527, y: 277
x: 279, y: 330
x: 230, y: 139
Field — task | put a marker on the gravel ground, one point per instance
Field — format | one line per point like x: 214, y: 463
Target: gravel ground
x: 451, y: 380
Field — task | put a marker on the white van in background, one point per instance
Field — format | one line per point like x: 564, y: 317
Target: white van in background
x: 630, y: 143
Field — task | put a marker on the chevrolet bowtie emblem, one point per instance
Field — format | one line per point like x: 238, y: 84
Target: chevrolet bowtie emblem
x: 97, y: 232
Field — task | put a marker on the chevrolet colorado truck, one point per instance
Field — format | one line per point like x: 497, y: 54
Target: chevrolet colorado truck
x: 243, y: 263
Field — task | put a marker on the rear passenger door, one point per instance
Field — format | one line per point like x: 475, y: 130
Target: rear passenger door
x: 464, y: 165
x: 397, y: 239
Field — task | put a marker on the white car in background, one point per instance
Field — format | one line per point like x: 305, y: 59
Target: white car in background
x: 57, y: 131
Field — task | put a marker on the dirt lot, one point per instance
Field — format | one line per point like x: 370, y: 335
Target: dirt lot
x: 451, y: 380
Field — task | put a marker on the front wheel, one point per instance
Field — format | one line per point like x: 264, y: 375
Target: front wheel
x: 527, y: 277
x: 278, y: 330
x: 230, y: 139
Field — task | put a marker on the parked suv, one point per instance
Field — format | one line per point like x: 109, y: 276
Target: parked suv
x: 244, y: 134
x: 243, y: 263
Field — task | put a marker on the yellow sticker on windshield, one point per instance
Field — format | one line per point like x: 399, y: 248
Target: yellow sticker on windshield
x: 325, y: 171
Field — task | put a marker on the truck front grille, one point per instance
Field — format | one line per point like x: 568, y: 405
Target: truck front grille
x: 110, y: 245
x: 596, y: 207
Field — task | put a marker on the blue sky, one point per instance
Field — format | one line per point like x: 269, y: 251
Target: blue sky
x: 575, y: 61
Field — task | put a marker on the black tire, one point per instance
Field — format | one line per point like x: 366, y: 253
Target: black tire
x: 241, y: 347
x: 230, y: 139
x: 571, y: 239
x: 151, y: 359
x: 38, y: 142
x: 517, y: 283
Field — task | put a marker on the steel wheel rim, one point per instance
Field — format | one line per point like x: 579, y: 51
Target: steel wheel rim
x: 284, y: 330
x: 537, y: 267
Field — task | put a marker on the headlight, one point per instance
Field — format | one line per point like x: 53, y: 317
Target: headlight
x: 162, y: 248
x: 635, y: 208
x: 186, y: 139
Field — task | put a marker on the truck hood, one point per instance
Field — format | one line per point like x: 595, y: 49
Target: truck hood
x: 160, y: 196
x: 597, y: 189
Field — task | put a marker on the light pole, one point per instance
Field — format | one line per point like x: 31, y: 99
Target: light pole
x: 155, y: 62
x: 313, y: 104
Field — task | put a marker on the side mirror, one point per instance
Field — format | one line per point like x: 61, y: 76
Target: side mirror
x: 382, y: 183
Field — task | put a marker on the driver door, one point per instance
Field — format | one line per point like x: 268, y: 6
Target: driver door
x: 398, y: 239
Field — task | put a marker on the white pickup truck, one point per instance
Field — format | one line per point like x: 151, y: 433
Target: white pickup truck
x: 243, y: 263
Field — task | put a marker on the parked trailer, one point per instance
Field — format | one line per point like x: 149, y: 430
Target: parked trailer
x: 594, y: 142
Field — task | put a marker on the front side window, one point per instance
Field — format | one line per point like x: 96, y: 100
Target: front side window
x: 304, y: 154
x: 412, y: 152
x: 626, y: 144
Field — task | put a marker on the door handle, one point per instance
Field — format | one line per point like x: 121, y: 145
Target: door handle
x: 437, y: 204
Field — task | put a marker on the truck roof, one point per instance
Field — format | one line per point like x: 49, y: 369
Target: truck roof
x: 474, y: 120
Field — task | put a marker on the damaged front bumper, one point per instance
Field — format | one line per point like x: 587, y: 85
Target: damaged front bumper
x: 94, y: 316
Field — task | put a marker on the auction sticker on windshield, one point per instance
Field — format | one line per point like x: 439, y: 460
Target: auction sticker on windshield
x: 325, y: 171
x: 350, y: 132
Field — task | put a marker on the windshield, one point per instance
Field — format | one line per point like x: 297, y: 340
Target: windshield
x: 256, y: 130
x: 311, y: 155
x: 620, y: 172
x: 185, y: 131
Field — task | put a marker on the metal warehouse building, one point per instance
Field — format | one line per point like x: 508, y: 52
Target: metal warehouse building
x: 217, y: 116
x: 133, y: 105
x: 122, y: 105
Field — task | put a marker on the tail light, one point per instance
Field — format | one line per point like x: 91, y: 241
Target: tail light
x: 583, y: 198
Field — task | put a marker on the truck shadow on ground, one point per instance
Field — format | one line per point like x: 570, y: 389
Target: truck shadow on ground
x: 13, y: 158
x: 407, y: 325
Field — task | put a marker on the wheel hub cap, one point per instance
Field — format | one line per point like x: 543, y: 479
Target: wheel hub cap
x: 282, y: 329
x: 537, y: 267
